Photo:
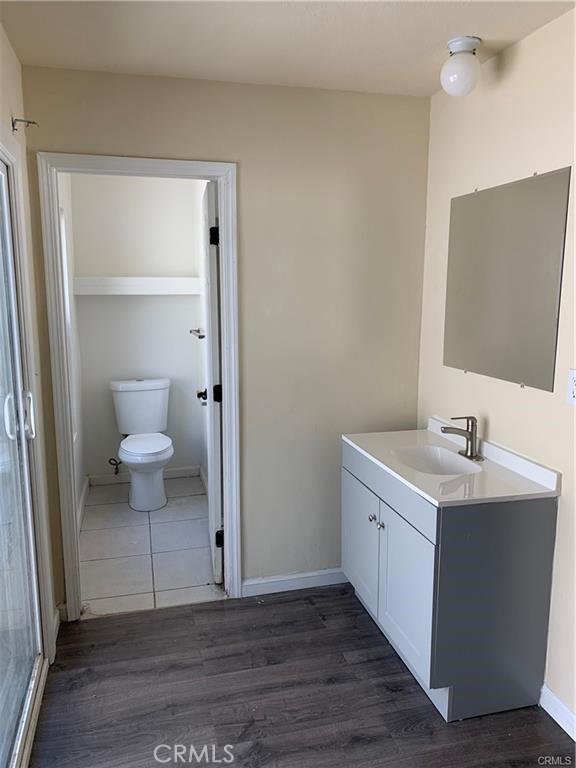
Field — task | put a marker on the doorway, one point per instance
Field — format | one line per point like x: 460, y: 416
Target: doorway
x: 117, y: 316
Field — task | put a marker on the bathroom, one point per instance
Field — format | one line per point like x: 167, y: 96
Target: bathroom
x: 136, y: 251
x: 389, y: 405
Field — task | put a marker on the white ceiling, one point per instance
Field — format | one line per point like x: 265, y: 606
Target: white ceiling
x: 384, y: 47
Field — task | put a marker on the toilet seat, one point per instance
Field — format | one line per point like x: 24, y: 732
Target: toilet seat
x: 149, y: 444
x: 145, y: 455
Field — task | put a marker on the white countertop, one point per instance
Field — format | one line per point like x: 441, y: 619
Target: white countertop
x: 496, y: 481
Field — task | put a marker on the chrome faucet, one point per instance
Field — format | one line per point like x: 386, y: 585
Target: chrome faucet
x: 470, y: 433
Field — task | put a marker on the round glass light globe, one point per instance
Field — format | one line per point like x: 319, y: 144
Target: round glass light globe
x: 460, y: 74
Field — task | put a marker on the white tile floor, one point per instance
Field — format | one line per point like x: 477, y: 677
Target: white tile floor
x: 132, y: 561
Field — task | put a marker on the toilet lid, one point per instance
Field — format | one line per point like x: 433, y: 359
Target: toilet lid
x: 148, y: 443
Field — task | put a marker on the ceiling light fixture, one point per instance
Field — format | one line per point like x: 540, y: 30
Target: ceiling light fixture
x: 460, y: 73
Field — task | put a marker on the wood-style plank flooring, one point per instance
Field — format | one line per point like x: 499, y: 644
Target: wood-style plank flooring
x: 294, y: 680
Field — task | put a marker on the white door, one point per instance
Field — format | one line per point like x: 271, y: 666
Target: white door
x: 212, y: 359
x: 20, y: 641
x: 360, y: 511
x: 406, y: 589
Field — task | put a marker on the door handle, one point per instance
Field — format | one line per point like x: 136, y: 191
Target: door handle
x: 202, y: 394
x: 9, y: 428
x: 30, y: 419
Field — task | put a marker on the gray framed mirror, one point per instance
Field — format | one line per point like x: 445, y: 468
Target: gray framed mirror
x: 505, y: 258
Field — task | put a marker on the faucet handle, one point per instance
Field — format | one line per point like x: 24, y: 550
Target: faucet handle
x: 470, y: 420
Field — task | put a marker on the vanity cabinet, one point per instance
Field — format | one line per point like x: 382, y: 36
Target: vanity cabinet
x: 391, y: 566
x: 461, y: 592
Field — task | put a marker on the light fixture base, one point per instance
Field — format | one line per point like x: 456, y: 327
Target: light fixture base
x: 464, y: 44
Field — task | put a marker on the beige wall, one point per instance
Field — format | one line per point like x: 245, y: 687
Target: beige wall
x: 136, y: 226
x: 11, y: 104
x: 331, y: 219
x: 519, y: 120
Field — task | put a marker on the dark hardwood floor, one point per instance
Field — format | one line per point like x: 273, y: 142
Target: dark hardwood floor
x: 294, y: 680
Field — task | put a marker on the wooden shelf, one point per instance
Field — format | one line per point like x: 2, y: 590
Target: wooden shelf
x: 137, y: 286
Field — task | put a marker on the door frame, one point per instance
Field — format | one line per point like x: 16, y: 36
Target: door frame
x: 211, y: 320
x: 50, y: 164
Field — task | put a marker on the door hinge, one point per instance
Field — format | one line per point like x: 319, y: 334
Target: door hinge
x: 217, y: 394
x: 215, y: 235
x: 219, y: 538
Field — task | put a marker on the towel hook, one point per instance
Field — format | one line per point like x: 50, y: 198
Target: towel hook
x: 26, y: 123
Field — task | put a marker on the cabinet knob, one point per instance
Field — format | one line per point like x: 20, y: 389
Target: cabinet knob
x: 371, y: 518
x: 380, y: 526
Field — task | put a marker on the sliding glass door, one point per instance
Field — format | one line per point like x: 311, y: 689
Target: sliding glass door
x: 20, y: 644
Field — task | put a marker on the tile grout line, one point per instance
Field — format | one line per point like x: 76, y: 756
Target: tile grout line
x: 116, y: 557
x: 113, y: 597
x: 114, y: 527
x: 140, y: 525
x: 196, y: 586
x: 184, y: 520
x: 181, y: 549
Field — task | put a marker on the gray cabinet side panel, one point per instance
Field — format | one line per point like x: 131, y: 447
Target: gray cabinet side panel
x: 492, y: 604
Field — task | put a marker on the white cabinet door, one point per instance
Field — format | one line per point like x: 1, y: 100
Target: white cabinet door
x: 360, y: 511
x: 406, y: 589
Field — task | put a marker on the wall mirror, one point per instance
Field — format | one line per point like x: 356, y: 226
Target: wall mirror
x: 505, y: 258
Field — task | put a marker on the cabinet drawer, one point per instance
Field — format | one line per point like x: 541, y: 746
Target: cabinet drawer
x: 412, y: 507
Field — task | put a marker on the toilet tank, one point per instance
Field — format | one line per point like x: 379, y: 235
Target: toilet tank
x: 141, y: 405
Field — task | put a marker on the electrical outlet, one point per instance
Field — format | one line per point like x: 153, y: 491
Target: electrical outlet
x: 572, y: 386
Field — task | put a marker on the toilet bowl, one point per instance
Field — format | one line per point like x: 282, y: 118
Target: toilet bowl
x: 145, y: 456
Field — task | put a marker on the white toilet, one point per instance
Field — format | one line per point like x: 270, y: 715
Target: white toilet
x: 141, y: 407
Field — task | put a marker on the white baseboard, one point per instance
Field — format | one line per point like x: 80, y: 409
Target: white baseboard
x: 124, y: 477
x: 291, y: 581
x: 558, y: 711
x: 82, y: 502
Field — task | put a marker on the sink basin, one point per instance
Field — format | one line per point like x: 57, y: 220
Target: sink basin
x: 435, y: 460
